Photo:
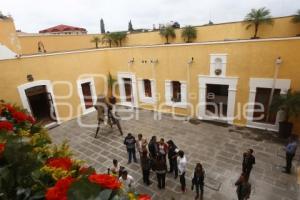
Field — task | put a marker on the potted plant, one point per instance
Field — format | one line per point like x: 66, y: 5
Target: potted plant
x: 290, y: 105
x: 110, y: 82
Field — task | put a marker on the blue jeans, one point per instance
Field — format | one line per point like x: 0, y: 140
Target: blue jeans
x: 131, y: 153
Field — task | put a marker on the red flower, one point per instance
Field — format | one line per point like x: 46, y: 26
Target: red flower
x: 60, y: 189
x: 2, y: 148
x: 83, y: 170
x: 19, y: 116
x: 9, y: 108
x: 105, y: 181
x: 5, y: 125
x: 31, y: 119
x: 63, y: 163
x: 144, y: 197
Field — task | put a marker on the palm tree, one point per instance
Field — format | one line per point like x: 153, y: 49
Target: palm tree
x: 256, y: 18
x: 117, y: 37
x: 296, y: 18
x: 106, y: 38
x: 189, y: 33
x: 96, y: 40
x: 167, y: 32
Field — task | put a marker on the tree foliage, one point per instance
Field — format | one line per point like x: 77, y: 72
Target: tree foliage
x: 296, y: 18
x: 167, y: 32
x: 256, y: 18
x: 96, y: 40
x: 189, y: 33
x: 102, y: 26
x: 130, y: 27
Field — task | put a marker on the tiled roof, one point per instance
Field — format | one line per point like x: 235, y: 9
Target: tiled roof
x: 61, y: 28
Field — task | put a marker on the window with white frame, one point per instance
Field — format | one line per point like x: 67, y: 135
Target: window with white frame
x: 175, y: 93
x: 146, y: 90
x: 218, y: 64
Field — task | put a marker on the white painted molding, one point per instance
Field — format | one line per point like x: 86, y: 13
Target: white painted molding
x: 141, y: 87
x: 254, y: 83
x: 24, y: 99
x: 203, y: 80
x: 169, y: 92
x: 81, y: 97
x: 134, y: 93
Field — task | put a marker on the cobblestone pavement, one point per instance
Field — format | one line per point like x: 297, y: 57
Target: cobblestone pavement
x: 217, y: 146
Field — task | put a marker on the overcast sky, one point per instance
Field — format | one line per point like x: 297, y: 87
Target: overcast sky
x: 34, y: 15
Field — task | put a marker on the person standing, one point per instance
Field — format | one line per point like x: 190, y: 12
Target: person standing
x: 290, y: 151
x: 127, y: 181
x: 130, y: 146
x: 141, y: 144
x: 153, y: 148
x: 162, y: 148
x: 146, y: 166
x: 115, y: 169
x: 172, y: 156
x: 243, y: 189
x: 198, y: 180
x: 160, y: 167
x: 248, y: 162
x: 182, y: 162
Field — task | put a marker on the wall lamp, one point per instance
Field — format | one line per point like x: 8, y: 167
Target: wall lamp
x: 191, y: 60
x: 154, y: 61
x: 131, y: 61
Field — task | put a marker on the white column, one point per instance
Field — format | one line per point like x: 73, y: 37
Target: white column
x: 231, y: 104
x: 202, y: 101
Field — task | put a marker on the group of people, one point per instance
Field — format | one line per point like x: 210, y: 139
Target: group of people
x: 154, y: 155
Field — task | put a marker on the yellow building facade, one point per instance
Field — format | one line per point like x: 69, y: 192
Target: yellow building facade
x: 222, y: 63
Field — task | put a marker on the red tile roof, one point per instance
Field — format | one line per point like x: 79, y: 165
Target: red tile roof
x: 61, y: 28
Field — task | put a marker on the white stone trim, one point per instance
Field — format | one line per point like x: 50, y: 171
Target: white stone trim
x: 24, y: 99
x: 134, y: 99
x: 231, y: 82
x: 213, y: 66
x: 254, y: 83
x: 81, y: 97
x: 141, y: 87
x: 169, y: 92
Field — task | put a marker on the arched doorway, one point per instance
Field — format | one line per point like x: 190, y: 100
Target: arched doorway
x: 37, y: 98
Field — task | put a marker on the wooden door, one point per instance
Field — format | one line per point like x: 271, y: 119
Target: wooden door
x: 128, y: 89
x: 87, y: 94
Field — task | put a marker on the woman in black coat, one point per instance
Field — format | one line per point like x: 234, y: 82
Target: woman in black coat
x: 198, y: 180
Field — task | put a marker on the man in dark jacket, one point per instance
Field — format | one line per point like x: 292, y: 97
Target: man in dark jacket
x: 248, y: 162
x: 153, y: 147
x: 172, y: 156
x: 130, y: 145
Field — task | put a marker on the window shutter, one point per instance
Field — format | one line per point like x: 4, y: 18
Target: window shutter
x: 183, y: 92
x: 141, y: 89
x: 168, y: 92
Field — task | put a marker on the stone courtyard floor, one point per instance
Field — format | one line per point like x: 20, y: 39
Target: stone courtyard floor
x: 218, y: 147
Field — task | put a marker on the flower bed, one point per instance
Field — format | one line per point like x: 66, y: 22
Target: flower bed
x: 31, y: 167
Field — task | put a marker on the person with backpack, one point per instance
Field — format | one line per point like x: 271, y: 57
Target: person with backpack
x: 130, y: 141
x: 198, y: 181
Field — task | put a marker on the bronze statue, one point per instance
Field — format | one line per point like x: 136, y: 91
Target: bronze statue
x: 105, y: 110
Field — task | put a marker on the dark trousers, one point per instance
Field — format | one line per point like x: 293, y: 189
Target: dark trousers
x: 199, y: 187
x: 146, y: 174
x: 161, y: 179
x: 182, y: 181
x: 247, y: 171
x: 173, y: 166
x: 289, y: 159
x: 131, y: 153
